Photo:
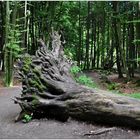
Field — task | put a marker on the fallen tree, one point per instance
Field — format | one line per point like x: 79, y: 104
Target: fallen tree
x: 49, y: 90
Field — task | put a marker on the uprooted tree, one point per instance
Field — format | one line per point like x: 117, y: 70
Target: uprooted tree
x: 49, y: 90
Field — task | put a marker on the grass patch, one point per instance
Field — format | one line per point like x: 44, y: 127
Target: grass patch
x: 134, y: 95
x: 75, y: 70
x: 83, y: 79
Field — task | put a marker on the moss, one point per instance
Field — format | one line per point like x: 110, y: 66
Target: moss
x: 35, y: 102
x: 36, y: 84
x: 26, y: 63
x: 36, y: 72
x: 33, y: 81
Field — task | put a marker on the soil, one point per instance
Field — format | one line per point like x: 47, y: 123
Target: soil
x: 44, y: 128
x: 122, y: 85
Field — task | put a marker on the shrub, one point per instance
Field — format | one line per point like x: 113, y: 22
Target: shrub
x: 83, y: 79
x: 75, y: 70
x: 112, y: 86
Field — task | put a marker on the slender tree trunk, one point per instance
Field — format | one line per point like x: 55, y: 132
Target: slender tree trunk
x: 33, y: 47
x: 87, y: 64
x: 131, y: 46
x: 95, y: 52
x: 25, y: 25
x: 103, y: 41
x: 27, y: 32
x: 116, y: 43
x: 124, y: 49
x: 98, y: 45
x: 79, y: 46
x: 2, y: 34
x: 138, y: 32
x: 92, y: 40
x: 7, y: 69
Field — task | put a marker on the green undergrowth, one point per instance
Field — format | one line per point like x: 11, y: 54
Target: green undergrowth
x: 82, y: 78
x: 27, y: 118
x: 85, y: 80
x: 133, y: 95
x: 75, y: 70
x: 112, y: 86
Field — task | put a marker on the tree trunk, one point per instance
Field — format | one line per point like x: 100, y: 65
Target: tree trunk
x: 1, y: 34
x: 25, y: 25
x: 131, y: 46
x: 7, y: 50
x: 50, y: 91
x: 117, y: 44
x: 95, y: 50
x: 138, y: 32
x: 33, y: 47
x: 98, y: 45
x: 80, y: 38
x: 87, y: 64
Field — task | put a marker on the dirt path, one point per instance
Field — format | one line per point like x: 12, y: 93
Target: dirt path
x: 48, y: 128
x: 122, y: 86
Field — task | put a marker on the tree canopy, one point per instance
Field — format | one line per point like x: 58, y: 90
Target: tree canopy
x: 95, y: 34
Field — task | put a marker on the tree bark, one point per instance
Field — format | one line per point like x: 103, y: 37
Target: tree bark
x: 131, y: 62
x: 117, y: 42
x: 50, y: 91
x: 138, y: 32
x: 87, y: 63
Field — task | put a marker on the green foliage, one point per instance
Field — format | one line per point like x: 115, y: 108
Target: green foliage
x: 26, y: 63
x: 27, y: 118
x: 37, y: 84
x: 112, y: 86
x: 70, y: 53
x: 13, y: 37
x: 34, y: 102
x: 75, y: 70
x: 134, y: 95
x: 14, y: 43
x: 35, y: 80
x: 83, y: 79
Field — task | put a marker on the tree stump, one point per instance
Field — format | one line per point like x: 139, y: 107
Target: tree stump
x: 49, y: 90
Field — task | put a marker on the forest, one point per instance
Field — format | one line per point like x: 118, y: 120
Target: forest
x: 97, y: 35
x: 62, y: 49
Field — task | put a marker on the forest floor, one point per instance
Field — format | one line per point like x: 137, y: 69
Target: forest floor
x: 109, y: 81
x: 104, y: 80
x: 47, y: 129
